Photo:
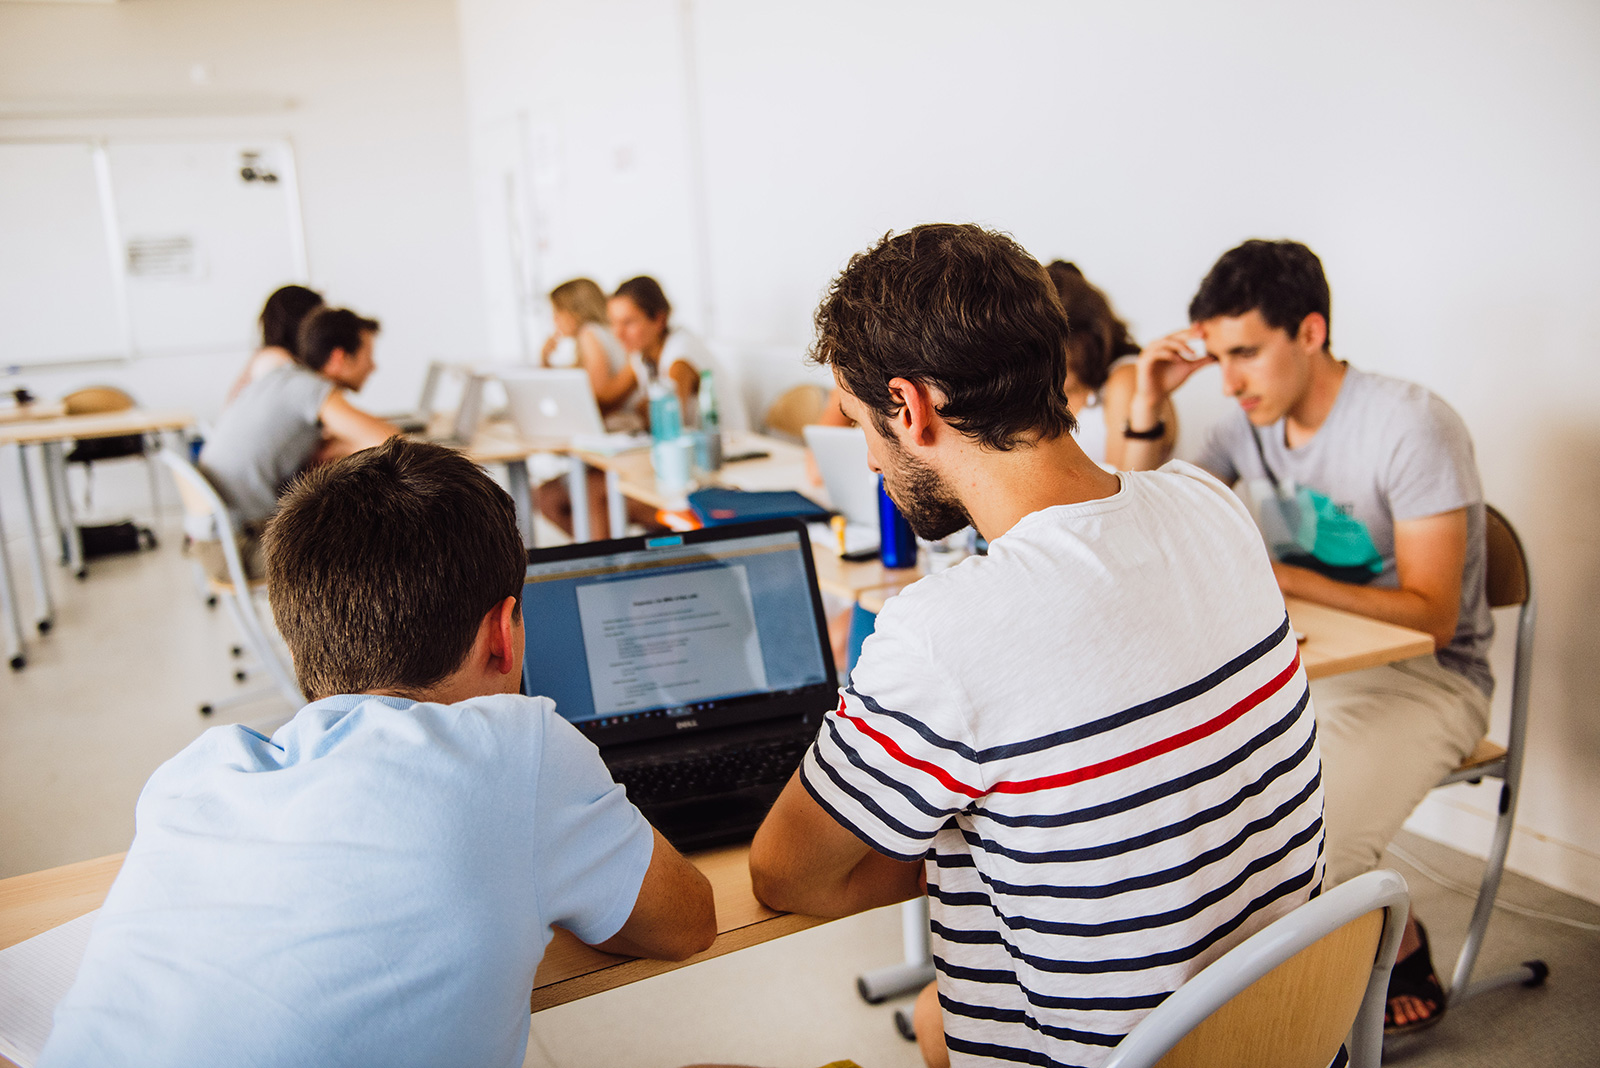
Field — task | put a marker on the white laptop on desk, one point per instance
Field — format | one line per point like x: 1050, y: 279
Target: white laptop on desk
x: 552, y: 403
x: 841, y: 456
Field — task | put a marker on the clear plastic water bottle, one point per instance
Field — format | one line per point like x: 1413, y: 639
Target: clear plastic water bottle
x: 666, y: 417
x: 709, y: 445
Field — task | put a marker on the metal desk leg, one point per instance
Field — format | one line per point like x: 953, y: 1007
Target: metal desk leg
x: 8, y: 606
x: 578, y: 490
x: 912, y: 974
x: 616, y: 507
x: 41, y: 587
x: 56, y: 470
x: 517, y: 483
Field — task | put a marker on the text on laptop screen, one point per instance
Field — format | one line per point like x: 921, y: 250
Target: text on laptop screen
x: 671, y: 629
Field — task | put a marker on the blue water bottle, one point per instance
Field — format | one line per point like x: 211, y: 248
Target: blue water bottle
x: 897, y: 544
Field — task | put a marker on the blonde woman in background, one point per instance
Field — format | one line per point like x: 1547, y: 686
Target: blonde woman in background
x: 579, y: 309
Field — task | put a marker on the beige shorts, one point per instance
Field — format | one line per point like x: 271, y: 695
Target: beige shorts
x: 1387, y: 735
x: 215, y: 563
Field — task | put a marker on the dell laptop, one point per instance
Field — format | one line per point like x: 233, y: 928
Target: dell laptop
x: 698, y: 663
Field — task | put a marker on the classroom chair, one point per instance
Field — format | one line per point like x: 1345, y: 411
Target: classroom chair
x: 93, y: 400
x: 209, y: 516
x: 1290, y: 994
x: 1510, y: 583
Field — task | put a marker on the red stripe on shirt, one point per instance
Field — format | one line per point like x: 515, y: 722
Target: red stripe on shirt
x: 894, y: 750
x: 1092, y: 771
x: 1154, y: 749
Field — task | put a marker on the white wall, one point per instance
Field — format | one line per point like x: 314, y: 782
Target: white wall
x: 1440, y: 157
x: 377, y: 122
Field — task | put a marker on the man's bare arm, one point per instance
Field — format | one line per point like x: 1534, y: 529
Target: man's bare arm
x: 674, y: 917
x: 802, y: 860
x: 1429, y: 555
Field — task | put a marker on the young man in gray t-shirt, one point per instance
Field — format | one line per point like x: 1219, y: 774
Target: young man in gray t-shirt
x: 287, y: 420
x: 1367, y: 492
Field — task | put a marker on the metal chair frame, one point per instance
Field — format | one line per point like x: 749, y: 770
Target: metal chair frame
x: 1510, y: 583
x: 201, y: 500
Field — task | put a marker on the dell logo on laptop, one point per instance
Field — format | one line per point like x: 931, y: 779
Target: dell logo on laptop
x: 683, y: 723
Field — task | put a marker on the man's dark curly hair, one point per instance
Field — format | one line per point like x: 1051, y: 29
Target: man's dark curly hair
x: 959, y: 308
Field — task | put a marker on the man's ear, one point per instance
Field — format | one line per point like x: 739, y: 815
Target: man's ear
x: 918, y: 409
x: 1313, y: 332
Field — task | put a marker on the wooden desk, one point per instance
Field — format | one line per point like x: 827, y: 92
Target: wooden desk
x: 50, y: 431
x: 32, y: 904
x: 630, y: 474
x: 23, y: 413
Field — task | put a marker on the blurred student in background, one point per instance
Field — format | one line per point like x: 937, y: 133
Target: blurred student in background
x: 280, y: 322
x: 579, y: 309
x: 639, y: 313
x: 292, y: 417
x: 1102, y: 369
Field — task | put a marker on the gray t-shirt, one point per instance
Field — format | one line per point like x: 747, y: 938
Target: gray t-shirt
x: 264, y: 438
x: 1389, y: 451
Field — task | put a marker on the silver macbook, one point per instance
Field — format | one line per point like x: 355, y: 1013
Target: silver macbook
x: 552, y: 403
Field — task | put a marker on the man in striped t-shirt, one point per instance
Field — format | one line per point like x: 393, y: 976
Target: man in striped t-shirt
x: 1094, y: 745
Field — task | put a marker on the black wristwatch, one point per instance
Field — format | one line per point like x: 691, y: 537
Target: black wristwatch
x: 1155, y: 433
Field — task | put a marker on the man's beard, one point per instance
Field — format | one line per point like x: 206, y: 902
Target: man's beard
x: 922, y: 496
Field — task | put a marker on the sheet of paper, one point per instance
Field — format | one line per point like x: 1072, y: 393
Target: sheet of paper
x: 34, y: 976
x: 670, y: 640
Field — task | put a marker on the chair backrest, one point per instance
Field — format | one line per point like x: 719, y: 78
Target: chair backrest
x: 95, y: 399
x: 1507, y: 563
x: 209, y: 515
x: 1289, y: 995
x: 795, y: 409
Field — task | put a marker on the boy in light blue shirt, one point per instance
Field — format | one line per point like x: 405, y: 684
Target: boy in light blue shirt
x: 376, y: 883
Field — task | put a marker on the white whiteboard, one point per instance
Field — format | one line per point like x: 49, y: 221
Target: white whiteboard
x: 143, y: 248
x: 58, y: 298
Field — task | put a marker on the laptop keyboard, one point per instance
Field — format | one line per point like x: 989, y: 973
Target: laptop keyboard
x: 717, y: 771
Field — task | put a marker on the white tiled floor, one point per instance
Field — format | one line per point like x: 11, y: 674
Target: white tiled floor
x: 113, y: 691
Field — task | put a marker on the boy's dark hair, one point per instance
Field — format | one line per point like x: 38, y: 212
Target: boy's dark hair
x: 1282, y: 280
x: 646, y: 294
x: 326, y: 329
x: 381, y: 566
x: 282, y: 314
x: 1097, y: 337
x: 960, y: 308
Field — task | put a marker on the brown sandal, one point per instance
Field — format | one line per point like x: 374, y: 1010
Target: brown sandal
x: 1414, y: 978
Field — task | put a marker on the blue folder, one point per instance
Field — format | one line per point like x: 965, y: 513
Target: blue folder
x: 716, y: 506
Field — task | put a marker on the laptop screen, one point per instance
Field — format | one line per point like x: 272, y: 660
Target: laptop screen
x: 653, y: 636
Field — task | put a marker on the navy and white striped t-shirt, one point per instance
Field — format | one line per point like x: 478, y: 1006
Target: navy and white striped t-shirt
x: 1100, y: 738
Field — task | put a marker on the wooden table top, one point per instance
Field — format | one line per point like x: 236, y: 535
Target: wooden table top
x: 783, y: 468
x: 34, y: 903
x: 33, y: 410
x: 98, y: 425
x: 500, y: 442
